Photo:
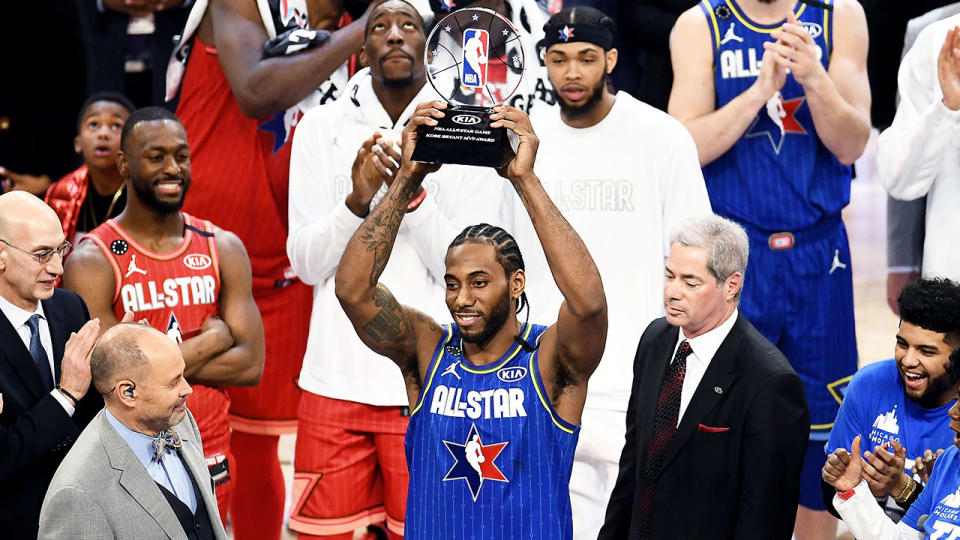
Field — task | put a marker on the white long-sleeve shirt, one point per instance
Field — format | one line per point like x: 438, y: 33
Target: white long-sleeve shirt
x: 336, y: 363
x: 867, y: 520
x: 919, y: 154
x: 623, y: 184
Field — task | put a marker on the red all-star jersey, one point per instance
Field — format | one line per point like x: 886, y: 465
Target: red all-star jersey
x: 175, y: 292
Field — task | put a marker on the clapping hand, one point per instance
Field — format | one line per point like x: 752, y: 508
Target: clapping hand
x: 842, y: 469
x: 883, y: 470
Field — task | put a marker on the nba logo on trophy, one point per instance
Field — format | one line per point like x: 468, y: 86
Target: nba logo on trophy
x: 475, y: 46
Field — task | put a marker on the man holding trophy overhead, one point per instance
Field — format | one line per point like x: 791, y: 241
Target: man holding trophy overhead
x: 349, y: 468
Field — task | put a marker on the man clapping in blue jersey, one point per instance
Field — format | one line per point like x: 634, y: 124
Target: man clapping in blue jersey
x: 775, y: 94
x: 495, y: 403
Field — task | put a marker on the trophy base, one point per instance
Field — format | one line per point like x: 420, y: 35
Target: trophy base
x: 464, y: 137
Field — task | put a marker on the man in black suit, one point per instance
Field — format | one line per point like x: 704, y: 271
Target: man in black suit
x: 44, y: 367
x: 717, y: 423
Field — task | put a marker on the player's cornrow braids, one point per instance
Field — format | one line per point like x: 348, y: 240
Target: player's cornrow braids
x: 508, y: 252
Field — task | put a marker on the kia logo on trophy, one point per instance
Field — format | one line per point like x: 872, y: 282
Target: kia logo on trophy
x: 466, y: 119
x: 474, y: 61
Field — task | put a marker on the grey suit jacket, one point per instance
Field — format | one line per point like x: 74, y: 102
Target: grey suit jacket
x: 101, y: 489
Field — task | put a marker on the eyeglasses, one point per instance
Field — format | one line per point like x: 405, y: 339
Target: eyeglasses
x: 44, y: 256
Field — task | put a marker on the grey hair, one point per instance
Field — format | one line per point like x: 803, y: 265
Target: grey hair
x: 116, y: 353
x: 725, y: 241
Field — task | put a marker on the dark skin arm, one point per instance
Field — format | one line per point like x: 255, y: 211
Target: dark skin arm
x: 266, y: 86
x: 398, y: 332
x: 228, y: 350
x: 571, y: 349
x: 242, y: 363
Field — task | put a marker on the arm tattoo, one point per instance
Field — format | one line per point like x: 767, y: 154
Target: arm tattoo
x: 380, y: 229
x: 390, y: 322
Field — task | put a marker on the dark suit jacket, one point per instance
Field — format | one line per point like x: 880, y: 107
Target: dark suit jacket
x: 739, y: 480
x: 35, y: 431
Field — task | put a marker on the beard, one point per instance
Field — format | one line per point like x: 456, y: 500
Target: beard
x: 145, y: 194
x: 492, y: 324
x: 930, y: 398
x: 580, y: 111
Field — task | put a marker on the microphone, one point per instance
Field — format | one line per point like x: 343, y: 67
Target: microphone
x: 920, y: 522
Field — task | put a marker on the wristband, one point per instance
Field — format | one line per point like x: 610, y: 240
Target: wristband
x: 844, y: 495
x: 69, y: 395
x: 415, y: 203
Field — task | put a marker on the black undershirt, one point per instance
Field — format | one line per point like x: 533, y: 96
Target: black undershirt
x: 94, y: 209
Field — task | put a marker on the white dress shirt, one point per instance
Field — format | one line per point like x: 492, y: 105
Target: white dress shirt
x: 704, y: 347
x: 18, y: 318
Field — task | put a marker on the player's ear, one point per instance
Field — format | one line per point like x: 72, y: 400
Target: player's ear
x: 363, y: 56
x: 76, y: 144
x: 518, y: 282
x: 612, y: 56
x: 122, y: 164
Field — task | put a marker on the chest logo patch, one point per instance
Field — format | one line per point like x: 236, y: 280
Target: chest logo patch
x: 511, y: 374
x: 119, y: 247
x: 197, y: 261
x: 776, y: 120
x: 474, y: 462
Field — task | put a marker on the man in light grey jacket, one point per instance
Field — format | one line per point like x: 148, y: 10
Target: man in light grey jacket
x: 137, y: 471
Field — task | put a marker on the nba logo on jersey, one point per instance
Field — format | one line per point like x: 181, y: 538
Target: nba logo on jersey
x: 448, y: 4
x: 475, y: 45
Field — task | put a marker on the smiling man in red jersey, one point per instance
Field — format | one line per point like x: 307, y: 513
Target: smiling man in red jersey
x: 186, y: 277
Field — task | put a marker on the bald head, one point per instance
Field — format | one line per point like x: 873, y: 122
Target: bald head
x: 124, y: 352
x: 21, y: 213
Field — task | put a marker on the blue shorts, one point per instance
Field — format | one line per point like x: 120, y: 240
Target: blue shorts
x: 811, y: 494
x: 801, y: 299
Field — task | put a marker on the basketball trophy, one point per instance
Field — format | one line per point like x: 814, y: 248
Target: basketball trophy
x: 474, y: 61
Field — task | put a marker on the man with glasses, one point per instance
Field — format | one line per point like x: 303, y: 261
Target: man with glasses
x: 45, y: 342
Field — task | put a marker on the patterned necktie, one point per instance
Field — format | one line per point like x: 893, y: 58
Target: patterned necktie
x: 165, y: 439
x: 664, y: 426
x: 38, y: 354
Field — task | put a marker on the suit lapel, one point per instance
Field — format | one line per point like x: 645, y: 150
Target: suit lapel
x: 58, y: 333
x: 720, y: 374
x: 135, y: 479
x: 19, y: 359
x: 197, y: 467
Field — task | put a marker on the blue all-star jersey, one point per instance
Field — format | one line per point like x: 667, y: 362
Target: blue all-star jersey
x: 778, y: 176
x: 489, y: 458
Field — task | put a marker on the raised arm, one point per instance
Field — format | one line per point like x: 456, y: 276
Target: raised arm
x: 241, y: 364
x: 692, y: 99
x: 398, y: 332
x: 839, y: 98
x: 927, y: 125
x: 265, y: 86
x: 571, y: 349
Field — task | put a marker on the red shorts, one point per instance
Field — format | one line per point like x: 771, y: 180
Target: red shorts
x: 270, y: 408
x: 209, y: 407
x: 350, y: 470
